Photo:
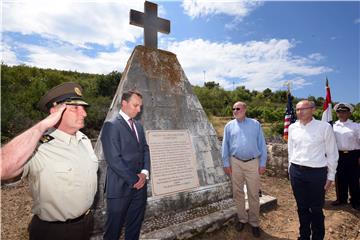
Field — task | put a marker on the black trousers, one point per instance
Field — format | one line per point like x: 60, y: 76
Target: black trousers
x: 347, y: 177
x: 308, y: 188
x: 77, y: 230
x: 128, y: 211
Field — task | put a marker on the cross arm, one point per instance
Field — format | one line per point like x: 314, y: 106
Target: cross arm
x: 137, y: 18
x: 163, y: 25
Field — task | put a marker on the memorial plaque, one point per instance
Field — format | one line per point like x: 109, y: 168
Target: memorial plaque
x: 173, y: 162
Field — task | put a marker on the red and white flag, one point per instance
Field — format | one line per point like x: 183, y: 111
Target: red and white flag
x: 327, y: 114
x: 290, y: 116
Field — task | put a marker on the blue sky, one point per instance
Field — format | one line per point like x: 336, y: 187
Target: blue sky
x: 258, y: 44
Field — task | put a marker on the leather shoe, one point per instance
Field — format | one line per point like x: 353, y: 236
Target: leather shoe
x: 338, y: 203
x: 239, y: 226
x: 356, y: 206
x: 256, y: 231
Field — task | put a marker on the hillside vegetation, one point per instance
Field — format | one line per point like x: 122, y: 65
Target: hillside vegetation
x: 22, y: 86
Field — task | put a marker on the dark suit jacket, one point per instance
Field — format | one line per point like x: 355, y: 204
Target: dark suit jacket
x: 124, y: 155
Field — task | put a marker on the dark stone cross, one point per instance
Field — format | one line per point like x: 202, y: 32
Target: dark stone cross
x: 150, y: 22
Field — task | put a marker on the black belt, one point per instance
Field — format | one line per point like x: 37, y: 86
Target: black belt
x: 74, y: 220
x: 244, y: 160
x: 305, y: 167
x: 347, y: 151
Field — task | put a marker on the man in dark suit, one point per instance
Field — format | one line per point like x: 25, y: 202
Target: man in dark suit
x: 127, y: 155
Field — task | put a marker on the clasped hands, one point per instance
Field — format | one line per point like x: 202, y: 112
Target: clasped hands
x: 141, y: 182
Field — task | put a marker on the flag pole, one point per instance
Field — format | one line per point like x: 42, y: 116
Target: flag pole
x: 289, y: 117
x: 327, y: 108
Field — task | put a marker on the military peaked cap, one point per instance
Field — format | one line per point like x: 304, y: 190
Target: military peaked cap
x: 69, y: 93
x: 343, y: 107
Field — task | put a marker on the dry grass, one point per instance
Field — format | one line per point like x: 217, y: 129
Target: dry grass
x: 219, y: 124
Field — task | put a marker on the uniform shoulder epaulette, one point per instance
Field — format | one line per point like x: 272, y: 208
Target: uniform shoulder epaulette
x: 82, y: 135
x: 46, y: 138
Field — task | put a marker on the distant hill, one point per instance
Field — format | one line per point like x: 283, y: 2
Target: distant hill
x: 22, y: 86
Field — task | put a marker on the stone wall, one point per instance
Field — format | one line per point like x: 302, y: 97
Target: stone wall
x: 277, y: 163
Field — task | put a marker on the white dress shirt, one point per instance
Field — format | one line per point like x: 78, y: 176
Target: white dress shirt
x: 347, y: 135
x: 313, y: 145
x: 126, y: 117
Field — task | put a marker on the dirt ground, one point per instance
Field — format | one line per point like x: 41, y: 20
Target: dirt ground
x: 342, y: 223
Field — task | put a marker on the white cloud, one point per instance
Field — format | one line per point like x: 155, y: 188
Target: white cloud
x: 66, y: 29
x: 256, y: 65
x: 76, y: 22
x: 62, y: 30
x: 316, y: 57
x: 8, y: 55
x: 236, y: 8
x: 357, y: 21
x: 68, y: 57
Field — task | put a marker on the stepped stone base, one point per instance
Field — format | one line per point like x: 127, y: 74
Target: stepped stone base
x: 196, y: 221
x: 224, y: 214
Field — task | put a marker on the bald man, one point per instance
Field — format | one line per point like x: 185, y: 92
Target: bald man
x: 313, y: 157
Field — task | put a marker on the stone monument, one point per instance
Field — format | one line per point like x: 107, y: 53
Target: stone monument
x: 170, y: 105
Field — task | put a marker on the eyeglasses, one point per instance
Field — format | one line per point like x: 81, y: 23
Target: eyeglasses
x: 302, y: 109
x: 236, y: 109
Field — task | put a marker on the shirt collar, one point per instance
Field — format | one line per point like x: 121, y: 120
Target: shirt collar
x: 241, y: 121
x: 308, y: 124
x: 67, y: 138
x: 126, y: 117
x: 349, y: 121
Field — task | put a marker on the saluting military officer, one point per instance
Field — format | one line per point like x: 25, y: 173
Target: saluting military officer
x: 62, y: 168
x: 347, y: 134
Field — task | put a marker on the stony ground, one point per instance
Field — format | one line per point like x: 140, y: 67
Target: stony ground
x: 342, y: 223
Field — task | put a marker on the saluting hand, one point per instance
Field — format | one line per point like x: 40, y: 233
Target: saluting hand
x: 53, y: 118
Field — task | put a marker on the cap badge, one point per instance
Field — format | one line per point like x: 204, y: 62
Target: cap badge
x: 78, y: 91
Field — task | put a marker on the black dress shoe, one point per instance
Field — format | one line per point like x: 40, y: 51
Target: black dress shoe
x: 338, y: 203
x: 256, y: 231
x: 355, y: 206
x: 239, y: 226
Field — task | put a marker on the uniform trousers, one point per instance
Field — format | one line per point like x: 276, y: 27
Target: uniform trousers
x: 246, y: 173
x: 308, y: 188
x: 347, y: 177
x: 77, y: 229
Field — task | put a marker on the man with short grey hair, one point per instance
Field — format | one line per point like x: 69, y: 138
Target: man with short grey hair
x: 61, y: 166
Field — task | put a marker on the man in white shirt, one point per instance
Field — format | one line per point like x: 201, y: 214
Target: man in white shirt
x: 347, y: 134
x: 313, y: 157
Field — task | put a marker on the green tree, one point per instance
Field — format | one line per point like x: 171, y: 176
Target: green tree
x: 107, y: 84
x: 211, y: 85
